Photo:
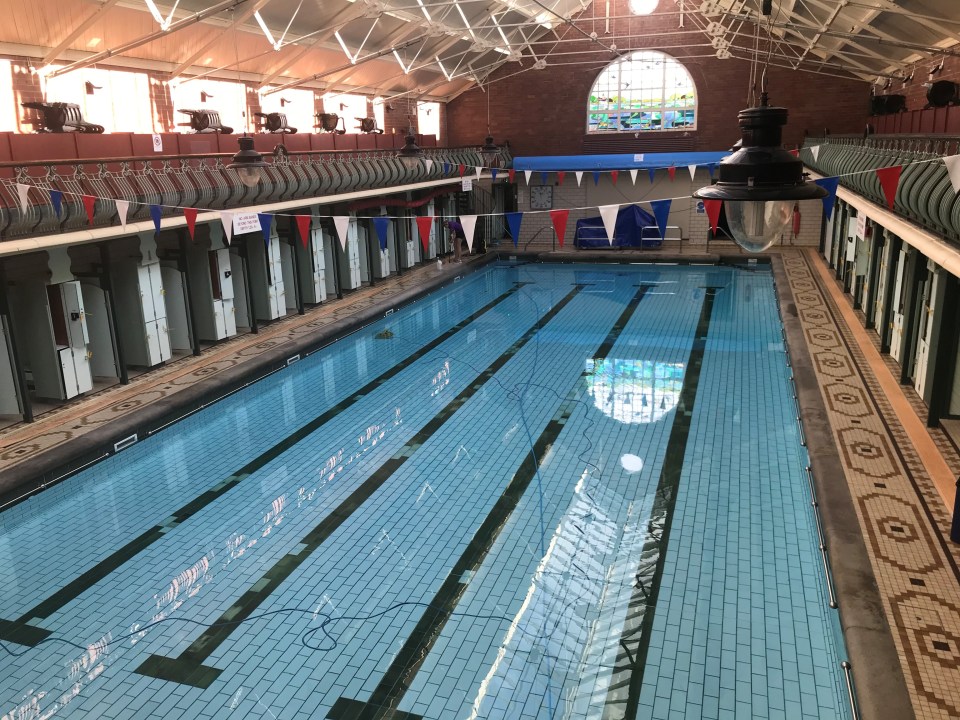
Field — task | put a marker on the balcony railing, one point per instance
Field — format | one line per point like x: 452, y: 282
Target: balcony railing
x: 925, y: 194
x: 201, y: 181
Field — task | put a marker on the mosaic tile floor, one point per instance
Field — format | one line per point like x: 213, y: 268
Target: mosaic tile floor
x: 903, y: 516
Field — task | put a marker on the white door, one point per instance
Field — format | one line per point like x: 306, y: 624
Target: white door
x: 351, y: 275
x: 152, y: 337
x: 275, y: 290
x: 241, y: 314
x: 227, y: 291
x: 82, y: 371
x: 286, y: 266
x: 219, y: 321
x: 176, y: 299
x: 897, y: 323
x: 318, y: 267
x: 9, y: 403
x: 75, y: 315
x: 925, y: 330
x: 68, y: 373
x: 881, y: 286
x: 229, y: 318
x: 103, y: 360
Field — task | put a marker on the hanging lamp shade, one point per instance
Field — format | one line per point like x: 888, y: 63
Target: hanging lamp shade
x: 411, y: 153
x: 247, y: 162
x: 490, y: 153
x: 760, y: 182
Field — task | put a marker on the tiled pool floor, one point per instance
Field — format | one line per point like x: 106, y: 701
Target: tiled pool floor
x: 892, y: 488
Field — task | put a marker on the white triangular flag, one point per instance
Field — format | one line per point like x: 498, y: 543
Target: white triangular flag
x: 469, y: 223
x: 122, y: 207
x: 816, y: 152
x: 633, y: 176
x: 527, y: 174
x: 693, y: 171
x: 429, y: 163
x: 343, y: 224
x: 226, y: 217
x: 579, y: 175
x: 953, y: 170
x: 479, y: 170
x: 609, y: 215
x: 22, y: 191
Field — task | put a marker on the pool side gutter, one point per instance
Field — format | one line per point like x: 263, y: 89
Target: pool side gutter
x: 58, y: 463
x: 878, y: 678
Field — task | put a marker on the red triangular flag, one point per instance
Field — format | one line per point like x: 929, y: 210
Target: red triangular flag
x: 889, y: 180
x: 462, y: 168
x: 560, y: 175
x: 614, y: 174
x: 512, y: 173
x: 191, y: 215
x: 559, y: 218
x: 672, y: 171
x: 88, y: 203
x: 424, y: 223
x: 713, y: 212
x: 795, y: 153
x: 303, y: 225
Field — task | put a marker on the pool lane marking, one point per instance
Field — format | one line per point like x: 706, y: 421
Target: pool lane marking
x: 638, y: 625
x: 399, y: 676
x: 188, y: 667
x: 21, y: 632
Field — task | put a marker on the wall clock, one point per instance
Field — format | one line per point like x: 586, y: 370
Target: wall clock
x: 541, y: 197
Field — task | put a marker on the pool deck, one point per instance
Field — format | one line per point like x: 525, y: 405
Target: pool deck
x: 887, y: 526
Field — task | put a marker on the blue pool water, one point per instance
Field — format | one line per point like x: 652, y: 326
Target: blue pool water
x: 545, y: 492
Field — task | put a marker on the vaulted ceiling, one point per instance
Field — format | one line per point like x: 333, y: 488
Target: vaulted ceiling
x: 435, y: 49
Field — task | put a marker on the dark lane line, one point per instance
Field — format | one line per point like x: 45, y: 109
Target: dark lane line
x: 623, y: 696
x: 20, y: 632
x: 188, y: 667
x: 399, y: 676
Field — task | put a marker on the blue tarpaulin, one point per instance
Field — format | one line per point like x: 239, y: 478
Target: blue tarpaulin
x: 624, y: 161
x: 634, y: 225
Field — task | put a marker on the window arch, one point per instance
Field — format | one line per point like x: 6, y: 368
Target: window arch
x: 643, y: 91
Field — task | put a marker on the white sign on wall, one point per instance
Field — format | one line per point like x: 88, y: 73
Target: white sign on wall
x: 861, y: 225
x: 467, y: 185
x: 245, y: 223
x: 157, y: 143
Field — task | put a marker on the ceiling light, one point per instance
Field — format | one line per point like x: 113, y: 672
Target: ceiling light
x: 760, y: 182
x: 490, y: 153
x: 247, y: 162
x: 410, y: 154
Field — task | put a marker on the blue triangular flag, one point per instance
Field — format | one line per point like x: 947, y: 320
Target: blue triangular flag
x: 596, y: 177
x: 381, y: 224
x: 830, y: 185
x: 653, y: 174
x: 155, y: 212
x: 446, y: 168
x: 661, y: 211
x: 493, y: 174
x: 543, y: 178
x: 56, y: 197
x: 513, y: 222
x: 711, y: 167
x: 266, y: 219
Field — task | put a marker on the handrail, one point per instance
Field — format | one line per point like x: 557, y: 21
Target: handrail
x: 212, y: 155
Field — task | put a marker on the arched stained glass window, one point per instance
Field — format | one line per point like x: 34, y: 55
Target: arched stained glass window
x: 642, y: 91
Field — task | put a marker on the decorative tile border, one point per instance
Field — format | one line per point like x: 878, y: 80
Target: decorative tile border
x: 902, y: 517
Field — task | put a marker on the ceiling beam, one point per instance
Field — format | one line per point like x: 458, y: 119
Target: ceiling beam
x: 146, y: 39
x: 77, y: 31
x: 234, y: 24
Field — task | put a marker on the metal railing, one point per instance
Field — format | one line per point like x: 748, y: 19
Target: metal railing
x: 201, y: 181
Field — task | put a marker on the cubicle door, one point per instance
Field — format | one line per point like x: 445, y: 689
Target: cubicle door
x: 896, y: 336
x: 178, y: 325
x: 882, y: 286
x: 103, y: 360
x: 9, y: 400
x: 928, y: 291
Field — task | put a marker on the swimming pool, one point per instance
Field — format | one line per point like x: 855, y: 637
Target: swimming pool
x: 548, y: 491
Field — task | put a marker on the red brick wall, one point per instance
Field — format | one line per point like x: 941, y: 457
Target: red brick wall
x: 544, y: 112
x: 914, y: 91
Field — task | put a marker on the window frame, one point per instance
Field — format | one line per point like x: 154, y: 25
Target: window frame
x: 652, y: 113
